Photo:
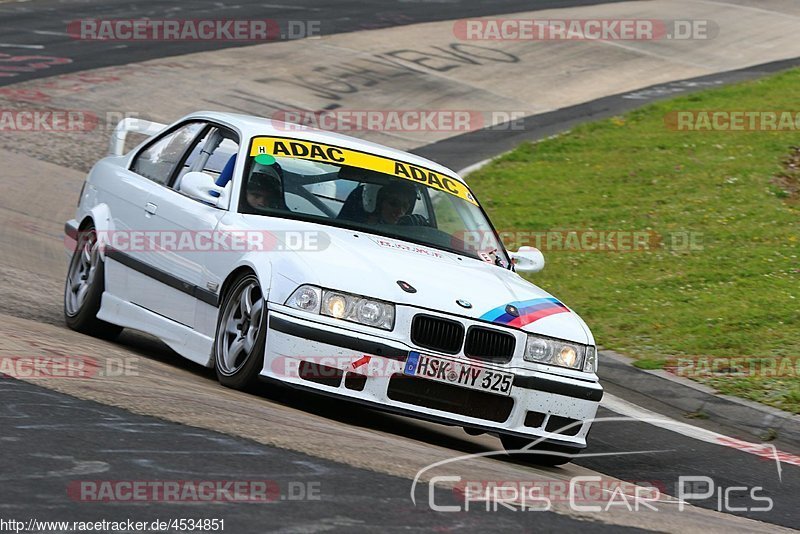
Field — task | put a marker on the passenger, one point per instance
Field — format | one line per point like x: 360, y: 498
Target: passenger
x: 264, y: 188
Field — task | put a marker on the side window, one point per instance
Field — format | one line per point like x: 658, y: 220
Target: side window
x: 220, y: 156
x: 210, y: 154
x: 158, y: 161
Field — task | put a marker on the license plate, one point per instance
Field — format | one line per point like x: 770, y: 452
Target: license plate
x: 458, y: 373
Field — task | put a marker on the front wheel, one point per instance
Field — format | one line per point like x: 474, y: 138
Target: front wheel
x: 83, y: 290
x: 542, y: 454
x: 241, y: 334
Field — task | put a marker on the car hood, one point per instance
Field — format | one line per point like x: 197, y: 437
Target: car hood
x: 370, y: 265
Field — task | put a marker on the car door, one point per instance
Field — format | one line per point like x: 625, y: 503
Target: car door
x: 183, y: 229
x: 149, y: 284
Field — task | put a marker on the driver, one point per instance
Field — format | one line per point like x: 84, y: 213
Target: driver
x: 264, y: 189
x: 394, y: 200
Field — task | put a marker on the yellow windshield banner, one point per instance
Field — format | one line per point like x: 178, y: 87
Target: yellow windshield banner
x: 334, y: 155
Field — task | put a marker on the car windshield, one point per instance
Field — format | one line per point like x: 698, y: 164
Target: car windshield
x: 340, y: 187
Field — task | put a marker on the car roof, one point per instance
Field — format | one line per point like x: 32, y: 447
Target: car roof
x: 251, y: 126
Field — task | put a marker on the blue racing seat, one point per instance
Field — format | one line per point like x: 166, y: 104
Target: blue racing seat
x: 227, y: 172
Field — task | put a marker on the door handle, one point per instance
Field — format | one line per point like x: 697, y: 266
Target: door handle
x: 150, y: 208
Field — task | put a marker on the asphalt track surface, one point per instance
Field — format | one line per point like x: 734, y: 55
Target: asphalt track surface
x: 306, y: 493
x: 44, y: 431
x: 41, y: 26
x: 51, y: 439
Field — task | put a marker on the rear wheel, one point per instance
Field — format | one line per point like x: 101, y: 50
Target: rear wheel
x: 241, y: 334
x: 540, y: 454
x: 84, y: 287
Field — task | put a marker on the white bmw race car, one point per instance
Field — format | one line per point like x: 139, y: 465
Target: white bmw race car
x: 277, y: 252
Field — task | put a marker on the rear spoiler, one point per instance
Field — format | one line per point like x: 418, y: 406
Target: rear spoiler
x: 116, y: 145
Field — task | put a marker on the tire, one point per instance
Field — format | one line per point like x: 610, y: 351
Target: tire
x: 543, y: 454
x: 84, y: 288
x: 238, y: 358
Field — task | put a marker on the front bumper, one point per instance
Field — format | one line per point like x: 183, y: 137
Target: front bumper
x: 331, y: 359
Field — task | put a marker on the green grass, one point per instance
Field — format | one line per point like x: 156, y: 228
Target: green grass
x: 645, y: 363
x: 737, y: 295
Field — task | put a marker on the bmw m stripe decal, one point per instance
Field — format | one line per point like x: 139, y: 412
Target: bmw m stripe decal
x: 529, y: 311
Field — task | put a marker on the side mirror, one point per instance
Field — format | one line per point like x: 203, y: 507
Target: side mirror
x: 200, y: 186
x: 528, y: 260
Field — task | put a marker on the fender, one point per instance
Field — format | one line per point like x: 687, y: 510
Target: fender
x: 253, y: 262
x: 98, y: 215
x: 207, y: 313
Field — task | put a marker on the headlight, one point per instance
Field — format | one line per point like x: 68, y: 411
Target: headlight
x: 336, y: 305
x: 345, y: 306
x: 552, y: 352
